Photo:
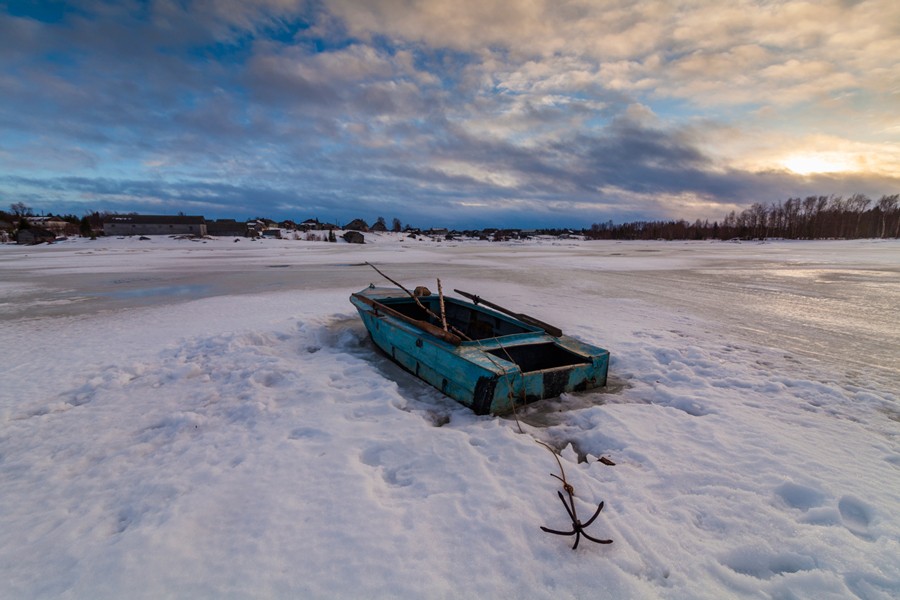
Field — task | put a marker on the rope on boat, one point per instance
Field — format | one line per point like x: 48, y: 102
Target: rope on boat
x: 509, y: 388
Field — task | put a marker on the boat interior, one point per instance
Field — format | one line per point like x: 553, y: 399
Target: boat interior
x: 479, y: 325
x: 475, y: 324
x: 538, y: 357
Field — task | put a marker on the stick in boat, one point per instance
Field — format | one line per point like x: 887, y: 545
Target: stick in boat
x: 443, y: 310
x: 408, y: 293
x: 422, y: 306
x: 554, y: 331
x: 397, y: 283
x: 423, y: 325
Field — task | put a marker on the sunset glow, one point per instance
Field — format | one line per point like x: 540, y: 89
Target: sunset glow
x: 821, y: 162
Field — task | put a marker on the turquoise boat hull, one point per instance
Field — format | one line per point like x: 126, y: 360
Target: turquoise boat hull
x: 497, y: 362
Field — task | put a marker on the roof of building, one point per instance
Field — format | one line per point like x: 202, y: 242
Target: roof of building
x: 357, y: 224
x: 42, y: 220
x: 36, y: 233
x: 154, y: 220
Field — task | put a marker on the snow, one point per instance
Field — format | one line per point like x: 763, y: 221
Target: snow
x: 208, y: 419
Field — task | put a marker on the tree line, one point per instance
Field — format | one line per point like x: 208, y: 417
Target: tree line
x: 813, y: 217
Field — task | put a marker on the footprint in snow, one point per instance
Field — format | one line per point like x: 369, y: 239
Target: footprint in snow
x: 856, y: 516
x: 799, y: 496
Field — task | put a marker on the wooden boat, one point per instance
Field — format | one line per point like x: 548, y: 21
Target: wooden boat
x: 485, y: 358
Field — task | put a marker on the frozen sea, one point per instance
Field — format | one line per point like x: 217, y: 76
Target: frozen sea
x: 185, y: 418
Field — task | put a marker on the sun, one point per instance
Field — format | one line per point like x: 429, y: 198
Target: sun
x: 819, y: 162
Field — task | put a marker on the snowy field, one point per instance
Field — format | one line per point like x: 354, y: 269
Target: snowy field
x: 208, y: 419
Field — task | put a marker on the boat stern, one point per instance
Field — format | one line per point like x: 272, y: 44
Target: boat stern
x: 545, y: 369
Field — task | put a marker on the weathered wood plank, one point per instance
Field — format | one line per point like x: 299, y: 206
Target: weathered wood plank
x: 554, y: 331
x: 423, y: 325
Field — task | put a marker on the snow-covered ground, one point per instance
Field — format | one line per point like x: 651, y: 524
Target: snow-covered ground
x: 208, y: 419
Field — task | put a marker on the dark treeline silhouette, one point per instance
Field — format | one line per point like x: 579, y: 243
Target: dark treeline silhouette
x: 813, y: 217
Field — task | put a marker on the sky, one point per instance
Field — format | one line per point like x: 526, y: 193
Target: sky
x: 471, y: 113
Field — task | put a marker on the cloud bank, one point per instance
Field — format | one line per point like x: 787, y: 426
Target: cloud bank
x: 471, y: 113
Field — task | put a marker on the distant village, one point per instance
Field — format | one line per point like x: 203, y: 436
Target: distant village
x: 814, y: 217
x: 29, y: 229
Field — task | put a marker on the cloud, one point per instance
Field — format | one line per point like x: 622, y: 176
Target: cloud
x: 468, y: 110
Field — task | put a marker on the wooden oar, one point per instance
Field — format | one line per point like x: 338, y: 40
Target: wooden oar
x: 423, y: 325
x: 554, y: 331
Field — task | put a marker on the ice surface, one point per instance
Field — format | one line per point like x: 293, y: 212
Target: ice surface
x: 209, y: 419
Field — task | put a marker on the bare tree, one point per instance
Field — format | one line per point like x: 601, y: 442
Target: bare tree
x: 888, y: 206
x: 20, y: 209
x: 858, y: 203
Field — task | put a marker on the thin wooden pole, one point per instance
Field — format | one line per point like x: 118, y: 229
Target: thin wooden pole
x: 424, y: 325
x: 554, y: 331
x: 397, y: 283
x: 414, y: 297
x: 443, y: 310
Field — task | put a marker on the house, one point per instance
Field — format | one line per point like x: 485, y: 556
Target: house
x: 57, y: 225
x: 309, y: 225
x: 154, y: 225
x: 354, y: 237
x: 357, y: 225
x: 35, y: 235
x: 255, y: 227
x: 272, y: 233
x: 226, y: 227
